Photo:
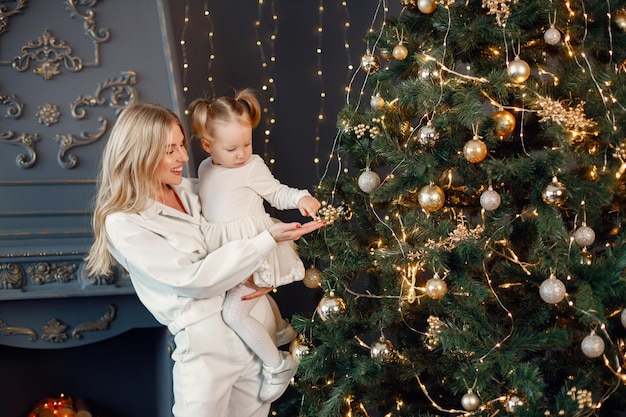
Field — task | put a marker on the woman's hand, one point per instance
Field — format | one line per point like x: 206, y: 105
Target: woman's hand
x: 259, y: 291
x: 293, y: 231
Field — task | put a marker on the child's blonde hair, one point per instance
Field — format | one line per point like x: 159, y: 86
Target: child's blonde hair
x: 127, y: 180
x: 204, y: 114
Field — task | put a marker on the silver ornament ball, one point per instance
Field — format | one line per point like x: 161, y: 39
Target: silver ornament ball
x: 490, y: 199
x: 552, y: 36
x: 427, y: 135
x: 368, y: 181
x: 555, y: 193
x: 512, y: 403
x: 299, y: 348
x: 436, y: 288
x: 382, y: 350
x: 623, y: 317
x: 552, y: 290
x: 584, y: 236
x: 592, y: 346
x: 377, y: 102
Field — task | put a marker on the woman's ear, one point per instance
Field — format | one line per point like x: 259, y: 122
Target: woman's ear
x: 206, y: 145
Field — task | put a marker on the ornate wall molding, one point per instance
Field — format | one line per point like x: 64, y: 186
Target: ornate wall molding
x: 11, y: 276
x: 99, y: 325
x: 27, y: 142
x: 5, y: 14
x: 7, y: 330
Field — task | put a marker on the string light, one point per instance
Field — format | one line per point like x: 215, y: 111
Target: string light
x: 268, y: 86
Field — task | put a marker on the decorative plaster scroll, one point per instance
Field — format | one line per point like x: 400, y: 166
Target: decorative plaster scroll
x: 115, y: 93
x: 102, y: 324
x: 44, y: 272
x: 5, y: 14
x: 47, y: 53
x: 15, y: 106
x: 25, y: 140
x: 89, y: 24
x: 11, y: 276
x: 54, y: 331
x: 21, y: 331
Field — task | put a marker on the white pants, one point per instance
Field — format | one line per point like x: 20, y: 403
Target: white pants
x: 215, y: 373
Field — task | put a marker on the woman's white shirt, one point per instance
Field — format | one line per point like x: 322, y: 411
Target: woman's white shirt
x: 164, y: 252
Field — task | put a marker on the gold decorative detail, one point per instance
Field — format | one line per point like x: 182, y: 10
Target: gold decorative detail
x: 458, y: 235
x: 102, y: 324
x: 500, y: 8
x: 89, y: 24
x: 120, y: 94
x: 44, y: 272
x: 11, y: 276
x: 5, y: 14
x: 48, y: 114
x: 20, y: 331
x: 47, y: 53
x: 25, y: 140
x: 15, y: 106
x: 54, y: 331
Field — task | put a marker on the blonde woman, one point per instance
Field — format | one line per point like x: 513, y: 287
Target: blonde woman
x: 147, y: 217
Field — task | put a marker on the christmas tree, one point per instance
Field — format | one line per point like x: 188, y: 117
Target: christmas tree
x: 474, y: 261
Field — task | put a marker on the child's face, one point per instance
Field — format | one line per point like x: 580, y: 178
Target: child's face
x: 232, y: 144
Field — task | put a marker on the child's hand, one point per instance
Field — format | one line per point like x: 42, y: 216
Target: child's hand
x: 309, y: 206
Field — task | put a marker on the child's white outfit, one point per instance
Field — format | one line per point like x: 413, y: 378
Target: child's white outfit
x: 233, y: 203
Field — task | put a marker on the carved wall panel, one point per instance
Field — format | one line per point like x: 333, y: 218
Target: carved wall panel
x: 67, y: 68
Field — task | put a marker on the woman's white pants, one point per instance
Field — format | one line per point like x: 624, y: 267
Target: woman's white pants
x: 215, y: 374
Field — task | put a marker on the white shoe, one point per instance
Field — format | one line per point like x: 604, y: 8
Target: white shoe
x: 276, y: 380
x: 285, y: 335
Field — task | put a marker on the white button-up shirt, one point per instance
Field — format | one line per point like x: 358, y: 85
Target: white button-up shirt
x: 165, y: 253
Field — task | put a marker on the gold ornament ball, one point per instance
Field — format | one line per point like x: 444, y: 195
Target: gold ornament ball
x: 504, y: 123
x: 436, y: 288
x: 475, y: 150
x: 331, y: 306
x: 299, y: 348
x: 518, y: 70
x: 400, y: 52
x: 584, y: 236
x: 554, y: 193
x: 620, y: 18
x: 382, y: 350
x: 386, y: 53
x: 370, y: 63
x: 431, y: 197
x: 592, y: 346
x: 426, y: 6
x: 312, y: 278
x: 586, y: 257
x: 470, y: 401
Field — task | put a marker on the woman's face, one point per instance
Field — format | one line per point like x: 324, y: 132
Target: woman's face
x: 232, y: 145
x: 170, y: 169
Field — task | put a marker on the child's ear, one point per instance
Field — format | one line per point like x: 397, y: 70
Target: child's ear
x: 206, y: 145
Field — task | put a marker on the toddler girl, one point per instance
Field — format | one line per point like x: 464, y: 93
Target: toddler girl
x: 233, y: 184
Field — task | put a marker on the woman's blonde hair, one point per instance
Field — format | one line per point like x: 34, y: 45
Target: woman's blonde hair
x: 127, y: 180
x: 204, y: 114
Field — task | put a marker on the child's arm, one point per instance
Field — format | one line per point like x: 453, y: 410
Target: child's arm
x: 309, y: 206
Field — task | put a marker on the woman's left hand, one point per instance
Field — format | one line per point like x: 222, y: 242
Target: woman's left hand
x: 259, y: 291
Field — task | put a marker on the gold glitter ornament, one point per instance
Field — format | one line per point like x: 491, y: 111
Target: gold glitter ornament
x: 400, y: 52
x: 518, y: 70
x: 555, y: 193
x: 370, y: 63
x: 331, y: 306
x: 431, y: 198
x: 475, y: 150
x: 504, y: 123
x: 470, y: 401
x: 436, y: 288
x: 377, y: 102
x: 312, y: 278
x: 427, y: 6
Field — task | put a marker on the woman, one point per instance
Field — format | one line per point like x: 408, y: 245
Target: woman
x: 147, y: 217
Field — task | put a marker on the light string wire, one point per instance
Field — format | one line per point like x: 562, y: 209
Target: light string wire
x: 268, y: 86
x: 320, y: 79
